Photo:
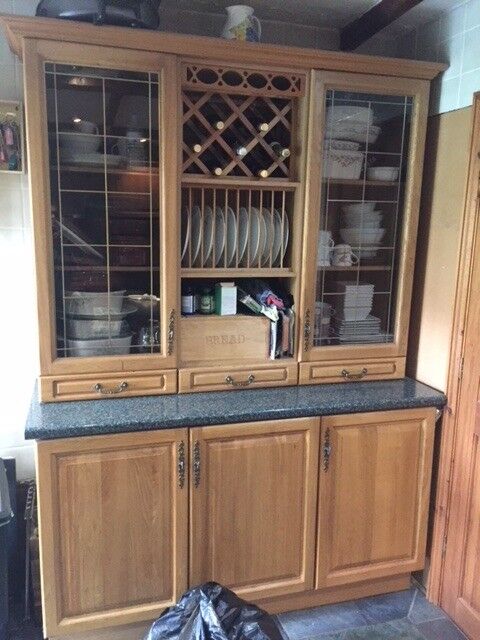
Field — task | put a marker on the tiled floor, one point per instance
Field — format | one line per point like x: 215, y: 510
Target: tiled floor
x: 405, y: 615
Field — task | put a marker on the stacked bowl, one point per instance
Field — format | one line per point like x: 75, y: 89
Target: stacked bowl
x: 362, y: 227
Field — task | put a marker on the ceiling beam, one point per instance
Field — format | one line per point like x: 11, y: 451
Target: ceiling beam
x: 373, y: 21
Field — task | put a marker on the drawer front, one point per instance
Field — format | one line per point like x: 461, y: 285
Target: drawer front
x: 226, y: 379
x: 88, y: 387
x: 351, y: 371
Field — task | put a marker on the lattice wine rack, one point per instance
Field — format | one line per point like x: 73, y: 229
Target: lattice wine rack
x: 239, y: 123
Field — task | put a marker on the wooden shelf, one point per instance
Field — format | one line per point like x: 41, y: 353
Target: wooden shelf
x: 238, y: 182
x: 238, y: 273
x: 100, y: 168
x: 105, y: 268
x: 359, y: 183
x: 373, y: 267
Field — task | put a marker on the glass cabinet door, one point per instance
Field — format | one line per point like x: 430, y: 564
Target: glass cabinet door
x: 360, y: 269
x: 107, y: 228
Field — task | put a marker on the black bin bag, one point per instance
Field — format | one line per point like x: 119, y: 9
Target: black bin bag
x: 212, y: 612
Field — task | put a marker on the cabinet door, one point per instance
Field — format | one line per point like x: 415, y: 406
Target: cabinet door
x: 253, y: 489
x: 374, y: 493
x: 102, y: 140
x: 365, y: 167
x: 113, y: 528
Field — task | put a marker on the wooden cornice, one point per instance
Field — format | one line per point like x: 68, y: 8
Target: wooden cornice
x: 19, y: 28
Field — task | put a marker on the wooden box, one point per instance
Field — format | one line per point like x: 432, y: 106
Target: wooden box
x: 219, y: 338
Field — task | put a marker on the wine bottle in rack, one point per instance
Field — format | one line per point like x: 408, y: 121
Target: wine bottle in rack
x: 263, y: 173
x: 197, y: 148
x: 280, y: 151
x: 263, y: 127
x: 241, y: 151
x: 220, y: 125
x: 218, y: 171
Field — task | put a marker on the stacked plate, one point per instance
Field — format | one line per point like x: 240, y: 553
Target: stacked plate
x: 363, y: 331
x: 224, y: 239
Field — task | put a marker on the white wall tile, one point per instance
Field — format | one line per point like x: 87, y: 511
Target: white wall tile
x: 452, y: 23
x: 8, y: 87
x: 450, y: 51
x: 449, y: 95
x: 472, y: 14
x: 469, y: 84
x: 471, y: 54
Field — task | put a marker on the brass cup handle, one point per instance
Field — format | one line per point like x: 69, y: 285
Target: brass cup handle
x: 354, y: 376
x: 240, y: 383
x: 99, y: 388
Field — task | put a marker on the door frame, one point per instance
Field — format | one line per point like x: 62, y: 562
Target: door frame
x: 451, y: 428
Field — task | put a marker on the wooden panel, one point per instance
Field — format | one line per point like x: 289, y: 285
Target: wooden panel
x: 315, y: 372
x: 113, y: 529
x: 238, y: 52
x: 374, y: 491
x: 230, y: 378
x: 441, y: 210
x: 221, y: 338
x: 253, y: 506
x: 82, y: 387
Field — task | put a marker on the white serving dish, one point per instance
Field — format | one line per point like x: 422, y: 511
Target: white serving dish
x: 100, y: 346
x: 88, y: 303
x: 365, y: 224
x: 357, y: 132
x: 86, y: 329
x: 359, y: 208
x: 345, y: 165
x: 145, y: 302
x: 362, y: 235
x: 349, y: 113
x: 344, y: 145
x: 387, y: 174
x: 79, y: 142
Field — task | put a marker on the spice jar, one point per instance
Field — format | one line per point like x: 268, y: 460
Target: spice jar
x: 207, y: 301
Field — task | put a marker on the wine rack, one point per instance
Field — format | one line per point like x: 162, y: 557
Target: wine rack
x: 239, y: 123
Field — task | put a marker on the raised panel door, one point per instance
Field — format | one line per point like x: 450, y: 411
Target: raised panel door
x: 253, y: 489
x: 113, y: 529
x: 373, y: 497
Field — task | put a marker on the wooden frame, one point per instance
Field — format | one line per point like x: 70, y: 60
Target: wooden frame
x: 419, y: 90
x: 451, y: 429
x: 35, y: 53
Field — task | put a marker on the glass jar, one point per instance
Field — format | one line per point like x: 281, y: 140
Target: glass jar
x: 207, y: 302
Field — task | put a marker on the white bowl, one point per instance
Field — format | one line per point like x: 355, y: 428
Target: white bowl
x: 362, y: 236
x: 79, y: 142
x: 387, y: 174
x: 87, y: 329
x: 100, y: 346
x: 349, y: 113
x: 364, y: 224
x: 87, y: 303
x: 359, y: 208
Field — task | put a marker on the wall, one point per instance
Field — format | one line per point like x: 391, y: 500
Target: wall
x: 18, y: 341
x: 453, y: 38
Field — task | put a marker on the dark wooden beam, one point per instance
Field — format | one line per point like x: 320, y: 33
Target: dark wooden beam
x: 373, y: 21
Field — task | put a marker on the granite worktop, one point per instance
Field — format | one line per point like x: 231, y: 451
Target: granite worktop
x: 120, y: 415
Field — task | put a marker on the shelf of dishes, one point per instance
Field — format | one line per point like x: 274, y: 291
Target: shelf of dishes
x: 349, y: 316
x: 106, y: 323
x: 235, y: 229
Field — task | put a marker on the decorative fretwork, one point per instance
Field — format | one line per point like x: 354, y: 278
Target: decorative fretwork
x: 233, y: 135
x: 245, y: 81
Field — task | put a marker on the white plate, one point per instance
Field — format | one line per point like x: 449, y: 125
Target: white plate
x: 207, y: 236
x: 195, y: 233
x: 219, y: 236
x: 277, y: 238
x: 270, y: 230
x: 262, y: 231
x: 78, y: 241
x: 231, y: 236
x: 286, y: 234
x: 185, y: 232
x: 242, y: 234
x: 255, y: 238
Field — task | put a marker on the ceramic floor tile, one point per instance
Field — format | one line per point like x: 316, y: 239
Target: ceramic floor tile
x: 423, y: 611
x: 395, y: 630
x: 440, y: 630
x: 300, y: 625
x: 383, y: 608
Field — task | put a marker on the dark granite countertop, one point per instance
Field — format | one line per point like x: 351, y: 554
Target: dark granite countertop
x: 97, y: 417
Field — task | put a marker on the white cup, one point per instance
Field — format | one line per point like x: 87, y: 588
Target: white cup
x: 343, y: 256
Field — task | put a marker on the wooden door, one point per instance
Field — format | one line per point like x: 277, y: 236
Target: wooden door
x: 355, y: 305
x: 374, y: 489
x: 460, y: 573
x: 101, y: 130
x: 253, y: 494
x: 113, y: 528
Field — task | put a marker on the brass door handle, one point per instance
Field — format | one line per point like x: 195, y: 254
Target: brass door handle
x: 240, y: 383
x: 327, y: 450
x: 99, y: 388
x: 181, y: 464
x: 196, y: 464
x: 354, y: 376
x: 307, y: 330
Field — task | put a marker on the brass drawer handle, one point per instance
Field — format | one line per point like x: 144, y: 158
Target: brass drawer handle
x: 354, y: 376
x: 99, y: 388
x: 240, y: 383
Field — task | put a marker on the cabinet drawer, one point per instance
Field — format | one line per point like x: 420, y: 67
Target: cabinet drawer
x: 124, y: 385
x: 318, y: 372
x: 226, y: 379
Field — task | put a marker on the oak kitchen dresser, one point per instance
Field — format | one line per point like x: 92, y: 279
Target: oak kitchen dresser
x: 159, y: 163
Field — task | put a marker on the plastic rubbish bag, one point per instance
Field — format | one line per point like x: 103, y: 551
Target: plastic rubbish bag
x: 212, y: 612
